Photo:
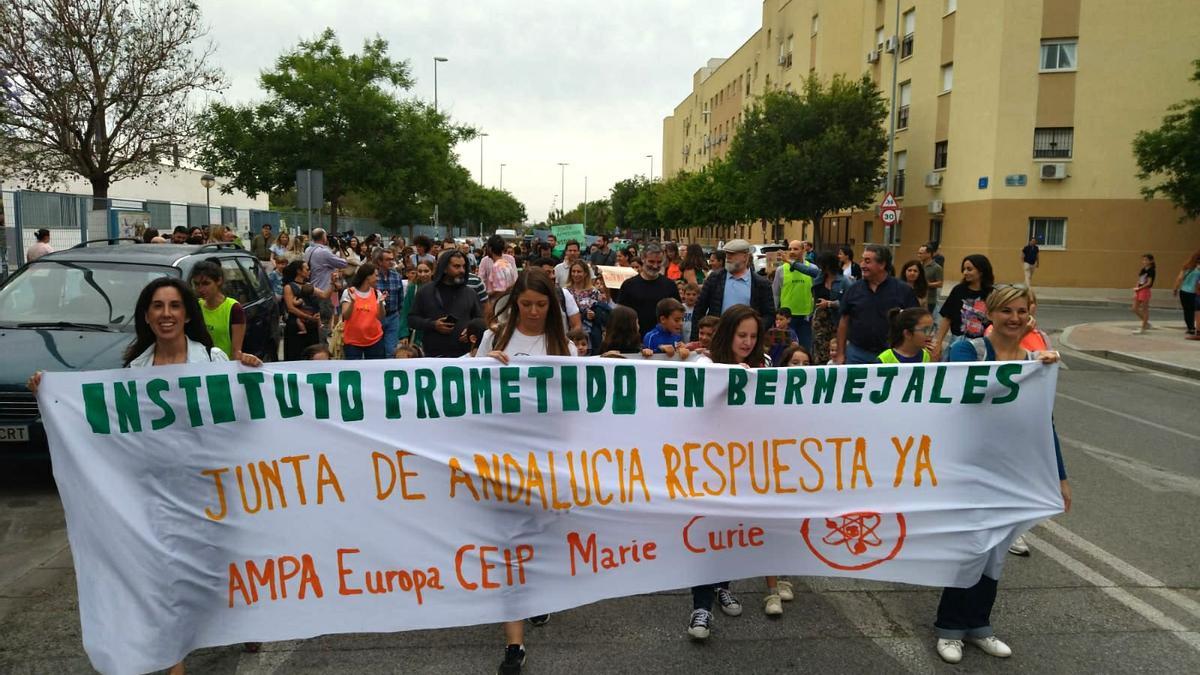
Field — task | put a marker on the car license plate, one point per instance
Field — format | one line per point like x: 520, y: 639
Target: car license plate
x: 13, y: 433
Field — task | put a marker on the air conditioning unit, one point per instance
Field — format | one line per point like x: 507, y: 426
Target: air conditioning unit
x: 936, y: 207
x: 1054, y: 171
x: 891, y: 44
x: 873, y: 56
x: 933, y: 179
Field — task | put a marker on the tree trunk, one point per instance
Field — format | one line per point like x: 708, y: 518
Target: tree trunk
x: 333, y: 213
x: 100, y: 185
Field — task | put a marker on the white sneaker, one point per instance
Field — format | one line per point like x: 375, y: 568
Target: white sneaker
x: 992, y: 646
x: 772, y: 605
x: 950, y: 650
x: 786, y: 593
x: 1019, y: 547
x: 1138, y: 331
x: 698, y: 624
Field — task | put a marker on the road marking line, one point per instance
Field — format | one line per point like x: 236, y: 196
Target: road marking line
x: 1127, y: 416
x: 1125, y: 569
x: 1148, y: 475
x: 1146, y: 610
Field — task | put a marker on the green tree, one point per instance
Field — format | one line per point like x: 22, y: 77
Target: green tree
x: 642, y: 211
x: 622, y: 194
x: 329, y: 110
x: 99, y: 88
x: 598, y: 215
x: 800, y: 155
x: 1170, y: 154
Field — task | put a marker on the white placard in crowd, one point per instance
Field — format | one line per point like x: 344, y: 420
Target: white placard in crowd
x: 217, y: 504
x: 615, y: 276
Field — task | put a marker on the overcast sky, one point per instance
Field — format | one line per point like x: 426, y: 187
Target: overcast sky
x: 586, y: 82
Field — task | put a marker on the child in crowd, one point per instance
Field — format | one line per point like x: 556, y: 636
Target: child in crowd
x: 910, y: 333
x: 621, y: 335
x: 317, y: 352
x: 793, y: 357
x: 708, y: 326
x: 668, y: 334
x: 689, y: 294
x: 781, y: 336
x: 475, y: 330
x: 581, y: 341
x: 407, y: 350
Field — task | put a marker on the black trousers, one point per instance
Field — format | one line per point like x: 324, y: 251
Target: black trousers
x: 966, y: 612
x: 703, y: 596
x: 1188, y: 302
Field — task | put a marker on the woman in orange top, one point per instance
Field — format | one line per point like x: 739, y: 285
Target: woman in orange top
x: 362, y: 306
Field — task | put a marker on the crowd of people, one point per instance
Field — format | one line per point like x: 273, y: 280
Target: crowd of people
x: 372, y: 299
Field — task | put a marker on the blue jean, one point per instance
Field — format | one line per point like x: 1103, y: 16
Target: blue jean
x: 375, y: 351
x: 803, y: 327
x: 858, y: 355
x: 391, y: 333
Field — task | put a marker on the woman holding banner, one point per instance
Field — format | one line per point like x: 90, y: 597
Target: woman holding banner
x: 532, y: 325
x: 169, y: 329
x: 738, y: 340
x: 964, y: 614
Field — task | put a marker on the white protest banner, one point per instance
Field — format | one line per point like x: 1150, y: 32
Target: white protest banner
x: 615, y: 276
x: 217, y: 504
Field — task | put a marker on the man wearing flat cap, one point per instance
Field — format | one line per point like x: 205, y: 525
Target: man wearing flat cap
x: 737, y: 284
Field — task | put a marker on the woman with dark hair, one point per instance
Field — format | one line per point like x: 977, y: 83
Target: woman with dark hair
x: 225, y: 318
x: 532, y: 326
x: 964, y: 314
x: 168, y: 330
x: 850, y: 269
x: 624, y: 257
x: 827, y: 295
x: 1187, y: 284
x: 694, y: 265
x: 738, y: 340
x: 302, y: 318
x: 913, y: 274
x: 362, y: 306
x: 716, y: 261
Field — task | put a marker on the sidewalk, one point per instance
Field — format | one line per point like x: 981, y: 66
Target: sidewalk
x: 1161, y: 298
x: 1162, y: 348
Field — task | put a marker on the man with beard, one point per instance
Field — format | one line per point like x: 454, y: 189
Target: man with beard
x: 443, y: 308
x: 642, y: 293
x: 734, y: 285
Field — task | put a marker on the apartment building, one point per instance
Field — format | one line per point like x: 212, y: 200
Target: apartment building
x: 1013, y: 119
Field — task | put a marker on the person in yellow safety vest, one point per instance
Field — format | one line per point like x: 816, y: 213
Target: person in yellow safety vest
x: 910, y: 334
x: 793, y: 289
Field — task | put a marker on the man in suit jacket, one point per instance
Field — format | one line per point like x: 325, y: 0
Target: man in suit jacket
x: 737, y: 284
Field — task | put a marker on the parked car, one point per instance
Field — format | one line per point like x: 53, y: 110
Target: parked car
x: 73, y: 310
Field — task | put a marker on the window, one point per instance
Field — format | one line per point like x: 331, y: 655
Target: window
x: 905, y: 100
x: 910, y: 25
x: 747, y: 81
x: 895, y: 231
x: 941, y: 151
x: 1051, y: 232
x: 935, y: 229
x: 901, y: 164
x: 815, y: 23
x: 1053, y: 142
x: 868, y: 232
x: 787, y: 60
x: 1058, y: 55
x: 951, y: 6
x: 879, y: 38
x: 947, y: 77
x: 235, y: 282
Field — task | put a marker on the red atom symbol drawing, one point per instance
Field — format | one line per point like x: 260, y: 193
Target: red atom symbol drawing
x: 858, y: 533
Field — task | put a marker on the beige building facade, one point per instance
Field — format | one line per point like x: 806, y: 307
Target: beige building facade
x: 1013, y: 119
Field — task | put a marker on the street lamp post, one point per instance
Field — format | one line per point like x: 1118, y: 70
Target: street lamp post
x: 562, y: 188
x: 208, y: 180
x: 651, y: 158
x: 502, y: 175
x: 481, y: 137
x: 436, y: 60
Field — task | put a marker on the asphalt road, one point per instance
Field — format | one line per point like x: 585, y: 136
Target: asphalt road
x: 1112, y: 587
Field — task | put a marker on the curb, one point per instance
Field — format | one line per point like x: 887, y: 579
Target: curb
x: 1089, y: 302
x: 1131, y: 359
